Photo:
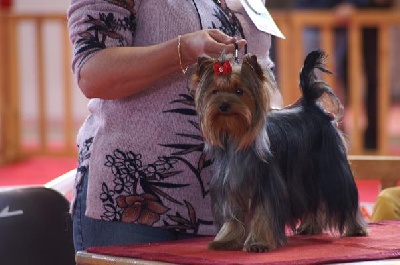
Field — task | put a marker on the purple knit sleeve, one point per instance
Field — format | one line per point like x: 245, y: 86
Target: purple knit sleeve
x: 97, y: 24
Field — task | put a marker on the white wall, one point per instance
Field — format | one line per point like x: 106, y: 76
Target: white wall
x: 53, y: 67
x: 41, y: 5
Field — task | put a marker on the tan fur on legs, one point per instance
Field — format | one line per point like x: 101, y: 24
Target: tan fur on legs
x: 261, y: 237
x: 230, y: 236
x: 310, y: 225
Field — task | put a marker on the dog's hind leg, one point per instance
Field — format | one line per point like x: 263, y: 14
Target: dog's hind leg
x: 309, y: 226
x: 356, y: 225
x: 231, y: 236
x: 313, y: 223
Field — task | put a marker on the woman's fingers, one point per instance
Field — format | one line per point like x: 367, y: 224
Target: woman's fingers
x: 210, y: 42
x: 217, y: 50
x: 223, y: 42
x: 221, y: 37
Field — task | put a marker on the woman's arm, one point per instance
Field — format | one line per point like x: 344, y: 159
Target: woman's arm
x: 118, y: 72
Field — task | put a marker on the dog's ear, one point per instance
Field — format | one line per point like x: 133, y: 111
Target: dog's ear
x: 203, y: 63
x: 251, y: 60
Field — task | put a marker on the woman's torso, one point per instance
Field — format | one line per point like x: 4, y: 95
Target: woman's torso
x: 145, y: 152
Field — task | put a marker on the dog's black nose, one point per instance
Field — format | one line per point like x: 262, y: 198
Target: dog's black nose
x: 224, y: 107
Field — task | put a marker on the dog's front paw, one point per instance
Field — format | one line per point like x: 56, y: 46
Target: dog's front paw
x: 225, y: 245
x: 230, y: 236
x: 256, y: 248
x: 257, y: 244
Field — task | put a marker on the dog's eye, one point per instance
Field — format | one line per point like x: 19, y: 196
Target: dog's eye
x: 215, y: 91
x: 239, y: 91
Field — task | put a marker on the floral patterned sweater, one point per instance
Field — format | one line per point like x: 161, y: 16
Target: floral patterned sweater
x: 145, y: 152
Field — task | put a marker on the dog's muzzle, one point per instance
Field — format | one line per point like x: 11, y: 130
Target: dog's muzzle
x: 224, y: 107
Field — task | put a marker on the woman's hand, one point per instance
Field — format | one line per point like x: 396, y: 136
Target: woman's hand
x: 210, y: 42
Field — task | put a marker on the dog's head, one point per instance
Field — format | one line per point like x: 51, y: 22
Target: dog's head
x: 232, y: 100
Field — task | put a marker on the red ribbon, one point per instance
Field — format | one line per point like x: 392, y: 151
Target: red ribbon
x: 222, y: 68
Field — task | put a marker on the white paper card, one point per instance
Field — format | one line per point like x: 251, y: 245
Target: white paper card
x: 261, y: 17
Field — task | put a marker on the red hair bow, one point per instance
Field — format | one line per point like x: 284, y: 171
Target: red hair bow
x: 222, y: 68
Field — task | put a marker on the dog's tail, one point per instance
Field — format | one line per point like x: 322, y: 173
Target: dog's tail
x: 313, y: 89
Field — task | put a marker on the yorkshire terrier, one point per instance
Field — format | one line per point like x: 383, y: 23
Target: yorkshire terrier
x: 275, y: 171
